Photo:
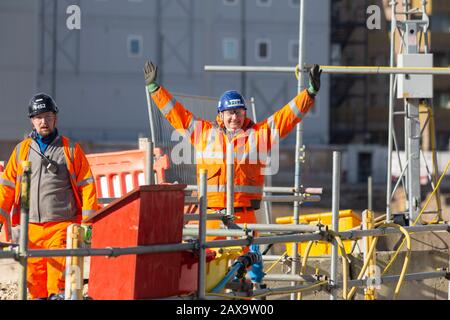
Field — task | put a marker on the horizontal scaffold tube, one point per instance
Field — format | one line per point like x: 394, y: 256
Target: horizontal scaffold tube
x: 112, y: 252
x: 301, y: 198
x: 356, y: 234
x: 394, y: 278
x: 279, y: 199
x: 294, y: 277
x: 335, y: 69
x: 276, y: 227
x: 191, y: 231
x: 351, y: 235
x: 309, y: 190
x: 195, y: 217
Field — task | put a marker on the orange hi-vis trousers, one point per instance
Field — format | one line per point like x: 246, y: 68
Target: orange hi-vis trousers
x: 45, y: 276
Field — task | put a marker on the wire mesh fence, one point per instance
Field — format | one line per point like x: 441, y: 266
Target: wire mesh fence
x: 167, y: 138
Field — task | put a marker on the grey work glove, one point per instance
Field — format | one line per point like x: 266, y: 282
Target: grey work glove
x: 150, y: 73
x: 314, y: 79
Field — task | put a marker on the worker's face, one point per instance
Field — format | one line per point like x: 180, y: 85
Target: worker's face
x: 44, y: 123
x: 233, y: 119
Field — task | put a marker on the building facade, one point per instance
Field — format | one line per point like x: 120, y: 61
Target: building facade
x: 95, y: 73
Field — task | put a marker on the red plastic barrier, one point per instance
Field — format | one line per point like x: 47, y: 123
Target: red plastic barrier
x: 189, y: 270
x: 148, y: 215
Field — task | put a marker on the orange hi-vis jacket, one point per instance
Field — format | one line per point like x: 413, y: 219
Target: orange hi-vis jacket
x: 251, y: 145
x: 81, y: 180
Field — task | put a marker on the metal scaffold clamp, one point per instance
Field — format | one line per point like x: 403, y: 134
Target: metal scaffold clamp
x: 447, y: 272
x: 302, y: 154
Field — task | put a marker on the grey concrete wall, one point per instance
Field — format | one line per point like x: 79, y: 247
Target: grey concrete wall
x: 421, y: 261
x: 99, y: 87
x: 18, y: 58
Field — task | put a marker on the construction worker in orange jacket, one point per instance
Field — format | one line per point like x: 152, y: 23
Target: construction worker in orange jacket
x: 250, y: 141
x: 62, y: 192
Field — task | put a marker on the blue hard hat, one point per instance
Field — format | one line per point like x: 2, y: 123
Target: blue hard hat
x: 231, y: 100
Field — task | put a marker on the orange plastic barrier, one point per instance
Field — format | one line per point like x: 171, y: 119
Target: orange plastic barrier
x: 3, y: 237
x: 117, y: 173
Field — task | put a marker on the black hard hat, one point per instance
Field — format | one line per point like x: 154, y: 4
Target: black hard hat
x: 41, y: 103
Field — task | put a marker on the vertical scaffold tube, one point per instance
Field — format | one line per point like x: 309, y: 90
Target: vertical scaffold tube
x: 393, y: 3
x: 201, y: 290
x: 230, y: 178
x: 23, y: 238
x: 336, y: 189
x: 149, y: 174
x: 298, y: 138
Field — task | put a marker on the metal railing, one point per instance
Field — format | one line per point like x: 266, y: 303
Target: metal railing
x: 266, y: 234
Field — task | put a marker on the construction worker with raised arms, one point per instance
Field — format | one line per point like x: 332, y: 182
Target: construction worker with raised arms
x: 232, y: 125
x: 62, y: 192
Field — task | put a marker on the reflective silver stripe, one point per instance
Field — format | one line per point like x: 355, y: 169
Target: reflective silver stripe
x: 85, y: 182
x: 7, y: 220
x: 4, y: 214
x: 210, y: 142
x: 251, y: 155
x: 237, y: 188
x: 274, y: 132
x: 210, y: 154
x: 249, y: 189
x: 88, y: 213
x: 7, y: 183
x: 296, y: 110
x: 169, y: 106
x: 72, y: 151
x: 220, y: 188
x: 191, y: 127
x: 252, y: 146
x: 18, y: 152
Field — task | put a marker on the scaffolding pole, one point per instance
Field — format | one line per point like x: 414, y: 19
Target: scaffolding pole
x: 317, y: 191
x: 439, y: 71
x: 393, y: 3
x: 173, y: 247
x: 201, y: 288
x: 23, y: 237
x: 336, y: 186
x: 298, y: 139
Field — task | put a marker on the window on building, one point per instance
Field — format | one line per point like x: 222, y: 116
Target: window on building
x: 264, y: 3
x: 134, y: 46
x: 294, y: 3
x: 230, y: 48
x: 373, y: 100
x: 336, y: 54
x: 442, y: 99
x: 441, y: 59
x: 440, y: 22
x: 262, y: 49
x: 293, y: 51
x: 230, y: 2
